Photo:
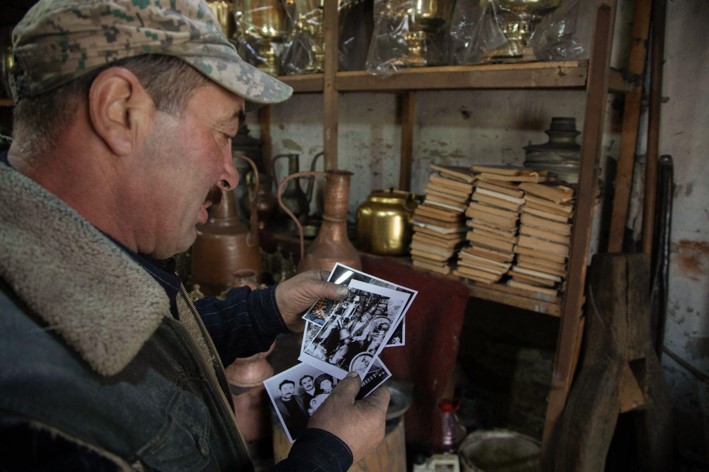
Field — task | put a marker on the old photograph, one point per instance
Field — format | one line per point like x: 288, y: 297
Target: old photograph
x: 357, y: 330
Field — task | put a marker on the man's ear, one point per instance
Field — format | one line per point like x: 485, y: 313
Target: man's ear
x: 120, y: 109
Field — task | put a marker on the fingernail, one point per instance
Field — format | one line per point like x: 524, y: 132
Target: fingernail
x: 342, y: 291
x: 352, y: 374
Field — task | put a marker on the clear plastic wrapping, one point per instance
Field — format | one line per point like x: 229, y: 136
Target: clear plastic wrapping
x: 355, y: 33
x: 303, y: 51
x: 261, y: 29
x: 408, y: 33
x: 514, y: 30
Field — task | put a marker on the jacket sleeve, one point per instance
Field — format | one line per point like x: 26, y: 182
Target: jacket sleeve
x: 244, y: 323
x: 316, y: 450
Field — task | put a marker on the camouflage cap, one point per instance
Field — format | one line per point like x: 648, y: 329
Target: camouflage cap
x: 60, y: 40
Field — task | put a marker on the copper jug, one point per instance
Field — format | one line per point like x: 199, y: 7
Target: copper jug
x: 260, y: 197
x: 225, y: 244
x: 293, y: 197
x: 331, y: 245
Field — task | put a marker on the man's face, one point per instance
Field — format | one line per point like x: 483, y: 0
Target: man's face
x: 287, y: 391
x: 183, y: 158
x: 306, y: 383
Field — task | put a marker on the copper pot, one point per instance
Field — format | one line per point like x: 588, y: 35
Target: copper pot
x: 225, y: 244
x: 331, y: 245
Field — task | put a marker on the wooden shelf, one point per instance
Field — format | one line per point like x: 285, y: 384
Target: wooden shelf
x: 530, y: 75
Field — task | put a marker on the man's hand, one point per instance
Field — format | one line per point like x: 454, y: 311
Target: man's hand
x: 359, y: 423
x: 298, y: 293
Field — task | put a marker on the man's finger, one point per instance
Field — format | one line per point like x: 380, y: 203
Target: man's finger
x: 348, y: 387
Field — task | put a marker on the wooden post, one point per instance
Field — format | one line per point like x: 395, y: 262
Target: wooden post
x: 629, y: 132
x: 596, y: 93
x: 330, y: 94
x: 408, y: 118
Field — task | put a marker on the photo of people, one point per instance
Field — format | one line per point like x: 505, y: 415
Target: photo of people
x: 295, y: 395
x: 341, y: 274
x: 362, y: 323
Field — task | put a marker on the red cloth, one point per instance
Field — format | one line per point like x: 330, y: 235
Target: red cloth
x: 433, y: 325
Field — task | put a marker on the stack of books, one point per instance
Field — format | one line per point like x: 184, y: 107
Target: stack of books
x: 492, y: 220
x: 543, y: 243
x: 438, y: 223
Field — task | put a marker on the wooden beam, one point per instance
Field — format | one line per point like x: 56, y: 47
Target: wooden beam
x: 629, y: 132
x: 596, y: 94
x: 408, y: 119
x: 653, y: 133
x: 330, y: 94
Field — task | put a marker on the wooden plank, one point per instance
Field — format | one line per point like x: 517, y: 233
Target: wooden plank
x: 653, y: 133
x: 629, y: 132
x: 500, y: 294
x: 483, y: 77
x: 330, y: 94
x: 304, y: 83
x: 567, y: 349
x: 408, y: 118
x: 6, y: 102
x: 560, y: 74
x: 264, y: 118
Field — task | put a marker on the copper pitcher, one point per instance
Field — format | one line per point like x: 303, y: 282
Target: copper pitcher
x: 331, y: 245
x: 225, y: 244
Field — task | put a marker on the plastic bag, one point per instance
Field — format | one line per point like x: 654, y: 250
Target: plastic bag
x: 408, y: 33
x: 261, y: 29
x: 356, y: 27
x: 303, y: 51
x: 511, y: 30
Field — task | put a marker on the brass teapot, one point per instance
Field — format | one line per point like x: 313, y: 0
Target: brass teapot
x: 384, y: 222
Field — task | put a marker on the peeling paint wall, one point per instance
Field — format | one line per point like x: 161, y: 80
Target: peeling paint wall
x: 684, y: 134
x: 465, y: 127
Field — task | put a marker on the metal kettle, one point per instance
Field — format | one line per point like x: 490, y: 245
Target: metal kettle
x: 384, y: 222
x: 225, y: 245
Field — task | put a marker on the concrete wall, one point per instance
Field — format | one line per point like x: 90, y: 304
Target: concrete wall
x: 465, y: 127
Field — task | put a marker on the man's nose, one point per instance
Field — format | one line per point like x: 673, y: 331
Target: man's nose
x: 230, y: 177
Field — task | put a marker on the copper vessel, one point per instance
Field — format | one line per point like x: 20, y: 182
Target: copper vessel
x: 331, y: 245
x: 225, y: 244
x: 260, y: 197
x: 293, y: 197
x: 384, y: 222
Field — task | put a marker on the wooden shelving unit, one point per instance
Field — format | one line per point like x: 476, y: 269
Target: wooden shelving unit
x: 592, y: 76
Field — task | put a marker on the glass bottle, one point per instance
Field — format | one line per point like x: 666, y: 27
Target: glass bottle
x: 453, y: 430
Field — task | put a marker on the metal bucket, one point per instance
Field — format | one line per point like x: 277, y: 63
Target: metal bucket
x: 499, y: 450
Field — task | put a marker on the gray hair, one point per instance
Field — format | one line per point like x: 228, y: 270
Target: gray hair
x: 39, y: 121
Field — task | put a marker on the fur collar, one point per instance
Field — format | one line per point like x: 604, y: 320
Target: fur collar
x: 87, y: 289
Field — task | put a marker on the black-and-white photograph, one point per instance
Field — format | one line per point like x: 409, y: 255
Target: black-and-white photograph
x: 342, y: 275
x: 356, y: 331
x: 296, y: 394
x: 377, y: 375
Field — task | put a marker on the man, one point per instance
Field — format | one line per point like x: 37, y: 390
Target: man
x: 292, y: 408
x: 307, y: 388
x: 124, y: 116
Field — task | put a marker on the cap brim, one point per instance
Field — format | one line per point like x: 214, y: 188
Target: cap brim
x: 255, y: 86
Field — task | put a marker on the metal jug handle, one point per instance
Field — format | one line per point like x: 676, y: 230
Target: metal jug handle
x: 281, y: 188
x: 253, y: 219
x: 273, y: 163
